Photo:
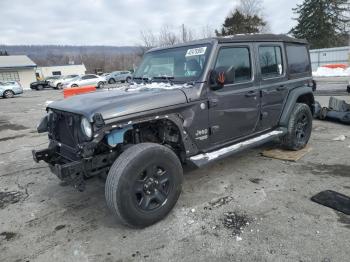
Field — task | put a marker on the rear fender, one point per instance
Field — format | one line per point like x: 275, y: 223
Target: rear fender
x: 298, y: 95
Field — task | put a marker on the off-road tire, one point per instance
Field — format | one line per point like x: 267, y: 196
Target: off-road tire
x: 127, y: 170
x: 8, y: 94
x: 299, y: 128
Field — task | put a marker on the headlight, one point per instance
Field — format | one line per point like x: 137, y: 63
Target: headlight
x: 86, y: 127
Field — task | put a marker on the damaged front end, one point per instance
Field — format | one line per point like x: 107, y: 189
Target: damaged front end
x: 73, y: 154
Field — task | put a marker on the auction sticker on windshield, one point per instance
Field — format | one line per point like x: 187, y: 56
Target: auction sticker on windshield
x: 196, y: 51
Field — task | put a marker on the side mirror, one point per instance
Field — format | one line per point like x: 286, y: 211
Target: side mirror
x: 217, y: 79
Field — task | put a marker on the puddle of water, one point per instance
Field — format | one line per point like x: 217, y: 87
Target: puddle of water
x: 6, y: 125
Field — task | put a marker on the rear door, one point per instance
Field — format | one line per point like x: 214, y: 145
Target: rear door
x: 234, y: 109
x: 273, y: 82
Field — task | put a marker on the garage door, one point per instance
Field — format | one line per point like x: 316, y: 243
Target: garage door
x: 9, y: 76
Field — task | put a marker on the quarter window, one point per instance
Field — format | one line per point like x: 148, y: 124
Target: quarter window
x: 235, y: 62
x: 271, y: 61
x: 298, y: 59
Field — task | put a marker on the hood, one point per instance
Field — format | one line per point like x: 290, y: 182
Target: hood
x: 116, y: 103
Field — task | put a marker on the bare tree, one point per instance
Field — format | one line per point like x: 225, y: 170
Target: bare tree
x: 167, y: 37
x: 206, y: 32
x: 250, y: 7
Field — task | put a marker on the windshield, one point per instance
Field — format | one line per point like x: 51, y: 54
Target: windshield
x: 179, y: 64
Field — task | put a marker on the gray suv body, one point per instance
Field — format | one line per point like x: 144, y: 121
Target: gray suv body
x: 191, y: 103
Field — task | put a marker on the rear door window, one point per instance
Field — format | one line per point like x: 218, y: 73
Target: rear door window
x: 271, y: 61
x: 298, y: 59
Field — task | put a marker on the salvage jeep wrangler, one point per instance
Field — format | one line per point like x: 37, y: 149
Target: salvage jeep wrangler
x: 190, y: 103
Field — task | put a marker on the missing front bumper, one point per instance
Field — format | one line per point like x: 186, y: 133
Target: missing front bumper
x: 75, y: 172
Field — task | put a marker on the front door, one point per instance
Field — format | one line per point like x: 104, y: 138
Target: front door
x: 273, y: 83
x: 234, y: 110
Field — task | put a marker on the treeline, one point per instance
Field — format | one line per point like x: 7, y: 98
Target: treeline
x: 107, y: 58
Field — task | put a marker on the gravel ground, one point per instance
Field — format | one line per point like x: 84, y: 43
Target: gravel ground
x: 244, y: 208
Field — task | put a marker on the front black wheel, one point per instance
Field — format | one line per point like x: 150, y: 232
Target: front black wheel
x: 299, y: 128
x: 144, y: 184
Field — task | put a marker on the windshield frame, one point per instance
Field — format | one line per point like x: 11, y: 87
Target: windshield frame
x: 169, y: 78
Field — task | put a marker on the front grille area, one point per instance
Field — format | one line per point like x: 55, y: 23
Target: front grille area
x: 65, y: 128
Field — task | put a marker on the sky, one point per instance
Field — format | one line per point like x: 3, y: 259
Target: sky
x: 117, y: 22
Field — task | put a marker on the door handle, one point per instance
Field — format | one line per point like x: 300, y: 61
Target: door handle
x: 281, y: 88
x: 251, y: 94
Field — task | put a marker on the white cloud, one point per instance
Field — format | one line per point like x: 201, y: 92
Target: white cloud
x: 110, y: 22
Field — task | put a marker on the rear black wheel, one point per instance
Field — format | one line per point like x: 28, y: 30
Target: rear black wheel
x: 299, y: 128
x: 8, y: 94
x: 144, y: 184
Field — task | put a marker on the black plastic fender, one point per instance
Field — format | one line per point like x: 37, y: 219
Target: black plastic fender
x: 292, y: 100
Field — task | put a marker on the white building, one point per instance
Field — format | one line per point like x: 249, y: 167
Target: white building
x: 45, y: 71
x: 336, y: 55
x: 17, y: 68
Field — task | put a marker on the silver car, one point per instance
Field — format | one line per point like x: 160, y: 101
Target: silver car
x: 119, y: 76
x: 57, y: 83
x: 9, y: 89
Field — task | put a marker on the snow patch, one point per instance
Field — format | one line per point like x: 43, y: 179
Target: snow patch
x: 145, y: 86
x: 326, y: 72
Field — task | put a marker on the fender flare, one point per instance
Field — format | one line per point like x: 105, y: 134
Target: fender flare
x: 291, y: 101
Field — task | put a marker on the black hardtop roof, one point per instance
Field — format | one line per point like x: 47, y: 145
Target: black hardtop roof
x: 240, y: 39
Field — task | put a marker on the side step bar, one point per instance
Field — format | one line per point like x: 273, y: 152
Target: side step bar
x: 206, y: 158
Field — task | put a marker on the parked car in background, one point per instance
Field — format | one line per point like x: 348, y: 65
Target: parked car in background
x: 59, y: 82
x: 9, y: 89
x: 119, y: 76
x: 86, y: 80
x: 41, y: 84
